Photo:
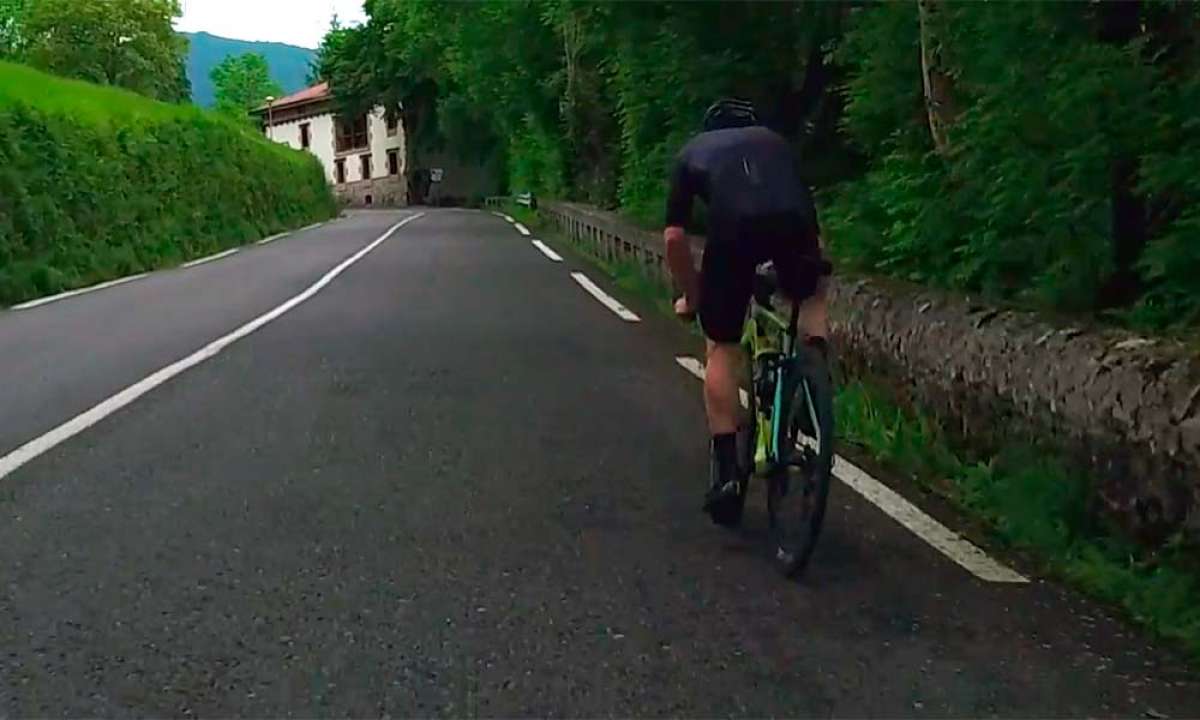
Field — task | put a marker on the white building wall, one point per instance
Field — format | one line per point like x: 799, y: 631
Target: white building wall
x: 321, y: 129
x: 381, y: 142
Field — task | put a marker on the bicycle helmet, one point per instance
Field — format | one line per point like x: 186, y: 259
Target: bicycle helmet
x: 730, y: 113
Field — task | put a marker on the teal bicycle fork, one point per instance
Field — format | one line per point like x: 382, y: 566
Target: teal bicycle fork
x: 776, y: 366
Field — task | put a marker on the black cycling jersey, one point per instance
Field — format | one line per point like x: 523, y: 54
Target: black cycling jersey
x: 758, y: 210
x: 739, y: 173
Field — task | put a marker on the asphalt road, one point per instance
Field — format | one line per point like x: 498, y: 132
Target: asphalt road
x: 452, y: 483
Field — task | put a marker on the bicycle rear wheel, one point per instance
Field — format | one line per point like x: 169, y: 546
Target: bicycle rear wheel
x: 798, y: 490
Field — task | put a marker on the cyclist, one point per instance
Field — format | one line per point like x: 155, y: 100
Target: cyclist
x: 759, y: 210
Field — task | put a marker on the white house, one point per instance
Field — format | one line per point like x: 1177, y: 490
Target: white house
x: 363, y: 157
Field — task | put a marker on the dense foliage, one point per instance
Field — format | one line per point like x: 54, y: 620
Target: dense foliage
x: 97, y: 183
x: 129, y: 44
x: 1038, y: 152
x: 242, y: 83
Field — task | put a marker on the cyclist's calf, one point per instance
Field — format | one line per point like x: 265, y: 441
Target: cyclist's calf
x: 725, y: 362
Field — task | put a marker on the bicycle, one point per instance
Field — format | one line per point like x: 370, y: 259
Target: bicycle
x: 788, y: 439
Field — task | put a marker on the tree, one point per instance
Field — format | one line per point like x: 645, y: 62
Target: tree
x: 242, y: 83
x: 12, y: 19
x: 939, y: 97
x: 130, y: 43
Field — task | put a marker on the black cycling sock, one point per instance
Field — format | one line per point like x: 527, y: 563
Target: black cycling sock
x: 725, y: 450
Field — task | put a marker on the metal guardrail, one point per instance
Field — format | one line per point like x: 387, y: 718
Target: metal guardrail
x: 612, y: 239
x: 523, y: 199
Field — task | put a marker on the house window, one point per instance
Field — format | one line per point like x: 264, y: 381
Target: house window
x: 305, y: 137
x: 351, y: 135
x: 393, y: 162
x: 366, y: 166
x: 339, y: 170
x: 393, y: 124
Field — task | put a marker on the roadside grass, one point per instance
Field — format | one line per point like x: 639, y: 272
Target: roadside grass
x: 1034, y: 503
x: 1027, y: 497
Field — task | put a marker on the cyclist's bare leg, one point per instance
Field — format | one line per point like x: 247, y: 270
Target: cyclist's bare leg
x: 725, y: 363
x: 814, y: 312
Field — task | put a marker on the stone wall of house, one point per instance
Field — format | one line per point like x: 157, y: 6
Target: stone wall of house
x: 377, y: 192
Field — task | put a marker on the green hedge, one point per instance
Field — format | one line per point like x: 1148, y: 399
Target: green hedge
x: 97, y: 183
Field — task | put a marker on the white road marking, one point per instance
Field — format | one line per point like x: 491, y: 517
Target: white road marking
x: 314, y: 226
x: 945, y: 540
x: 605, y: 299
x: 942, y: 538
x: 210, y: 258
x: 498, y: 214
x: 522, y: 229
x: 508, y: 218
x: 79, y: 291
x: 547, y: 251
x: 272, y: 238
x: 88, y: 418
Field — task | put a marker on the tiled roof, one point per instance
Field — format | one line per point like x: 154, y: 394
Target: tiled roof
x: 307, y: 95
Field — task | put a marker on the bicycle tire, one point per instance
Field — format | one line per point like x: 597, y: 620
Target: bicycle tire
x: 798, y: 517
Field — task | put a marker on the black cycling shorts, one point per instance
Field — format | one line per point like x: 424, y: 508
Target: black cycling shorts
x: 735, y: 249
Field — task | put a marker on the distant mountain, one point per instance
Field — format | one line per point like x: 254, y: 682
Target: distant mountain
x: 289, y: 64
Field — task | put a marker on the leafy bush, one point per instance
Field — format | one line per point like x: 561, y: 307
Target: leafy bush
x: 97, y: 183
x: 1065, y: 180
x: 1053, y: 165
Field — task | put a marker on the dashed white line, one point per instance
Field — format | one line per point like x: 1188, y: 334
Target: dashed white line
x: 940, y: 537
x: 605, y: 299
x: 272, y: 238
x: 547, y: 251
x: 210, y: 258
x: 88, y: 418
x: 522, y: 229
x: 79, y: 291
x: 508, y: 218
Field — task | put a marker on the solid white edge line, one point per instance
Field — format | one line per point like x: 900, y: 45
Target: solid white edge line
x: 88, y: 418
x: 545, y: 249
x: 272, y: 238
x: 210, y: 258
x: 954, y: 546
x: 942, y: 538
x: 78, y: 291
x: 522, y: 229
x: 605, y: 299
x: 121, y: 281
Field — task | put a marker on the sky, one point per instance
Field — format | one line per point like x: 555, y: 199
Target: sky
x: 295, y: 22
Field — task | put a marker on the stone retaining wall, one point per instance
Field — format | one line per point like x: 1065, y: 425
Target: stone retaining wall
x: 1127, y: 408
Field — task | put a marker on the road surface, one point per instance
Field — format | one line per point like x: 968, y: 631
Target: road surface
x: 451, y: 482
